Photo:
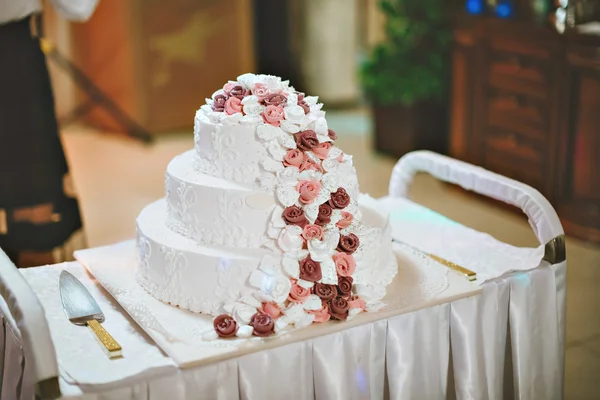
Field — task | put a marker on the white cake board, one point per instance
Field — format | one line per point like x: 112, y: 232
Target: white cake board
x: 420, y: 283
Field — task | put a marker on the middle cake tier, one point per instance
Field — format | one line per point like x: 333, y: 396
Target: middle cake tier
x: 213, y: 211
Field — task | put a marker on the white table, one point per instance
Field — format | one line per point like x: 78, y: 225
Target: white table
x: 400, y: 357
x: 504, y: 339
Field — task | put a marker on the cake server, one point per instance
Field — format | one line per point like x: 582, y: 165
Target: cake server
x: 467, y: 273
x: 81, y: 309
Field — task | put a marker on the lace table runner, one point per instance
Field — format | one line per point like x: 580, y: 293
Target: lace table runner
x: 420, y: 283
x: 436, y: 234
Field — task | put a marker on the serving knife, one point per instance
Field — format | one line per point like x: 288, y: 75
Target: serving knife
x: 467, y: 273
x: 81, y: 309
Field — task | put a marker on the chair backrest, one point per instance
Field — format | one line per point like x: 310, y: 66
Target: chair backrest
x: 28, y: 321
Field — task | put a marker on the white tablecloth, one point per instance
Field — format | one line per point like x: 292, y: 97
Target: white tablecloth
x: 505, y: 342
x: 449, y: 350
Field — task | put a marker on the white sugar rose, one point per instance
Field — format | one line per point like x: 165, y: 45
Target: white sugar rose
x: 253, y: 109
x: 292, y: 99
x: 294, y: 114
x: 279, y: 289
x: 242, y: 313
x: 290, y: 238
x: 289, y: 175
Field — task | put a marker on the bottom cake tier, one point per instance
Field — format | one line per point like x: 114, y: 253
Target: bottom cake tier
x: 178, y: 271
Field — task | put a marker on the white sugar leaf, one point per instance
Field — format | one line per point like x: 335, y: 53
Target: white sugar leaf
x: 276, y: 151
x: 272, y: 165
x: 267, y: 132
x: 312, y: 303
x: 287, y: 141
x: 289, y: 127
x: 291, y: 267
x: 287, y: 195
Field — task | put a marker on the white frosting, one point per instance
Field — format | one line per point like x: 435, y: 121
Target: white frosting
x: 178, y: 271
x: 231, y: 152
x: 213, y: 211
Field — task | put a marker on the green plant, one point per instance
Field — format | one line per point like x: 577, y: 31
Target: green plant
x: 412, y: 63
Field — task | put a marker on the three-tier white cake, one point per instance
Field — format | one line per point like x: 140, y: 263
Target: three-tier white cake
x: 261, y: 224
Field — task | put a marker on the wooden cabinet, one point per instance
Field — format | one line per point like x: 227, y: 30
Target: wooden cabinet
x: 578, y: 172
x: 159, y: 60
x: 526, y: 104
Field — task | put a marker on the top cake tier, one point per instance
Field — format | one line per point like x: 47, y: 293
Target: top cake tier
x: 259, y: 124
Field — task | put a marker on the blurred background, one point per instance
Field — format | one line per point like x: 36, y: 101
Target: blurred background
x: 510, y: 85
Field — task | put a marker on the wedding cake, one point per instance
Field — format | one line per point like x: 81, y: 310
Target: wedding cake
x: 261, y: 224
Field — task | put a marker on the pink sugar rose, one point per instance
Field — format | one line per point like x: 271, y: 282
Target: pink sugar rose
x: 228, y: 86
x: 322, y: 150
x: 293, y: 158
x: 310, y: 165
x: 273, y: 115
x: 260, y: 90
x: 344, y: 264
x: 219, y: 102
x: 357, y: 302
x: 321, y: 315
x: 345, y: 221
x: 312, y: 231
x: 298, y: 293
x: 308, y: 190
x: 233, y: 105
x: 271, y: 309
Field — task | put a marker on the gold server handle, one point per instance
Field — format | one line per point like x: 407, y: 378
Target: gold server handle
x: 470, y: 275
x: 113, y: 348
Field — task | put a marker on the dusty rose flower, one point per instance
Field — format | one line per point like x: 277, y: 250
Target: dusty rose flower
x: 338, y: 308
x: 263, y: 324
x: 332, y: 135
x: 306, y: 140
x: 271, y: 309
x: 233, y: 105
x: 294, y: 215
x: 310, y: 165
x: 311, y: 232
x: 228, y: 86
x: 322, y: 150
x: 219, y: 103
x: 225, y: 326
x: 309, y: 190
x: 346, y: 220
x: 298, y: 294
x: 275, y: 99
x: 304, y: 106
x: 357, y: 302
x: 324, y: 291
x: 344, y: 286
x: 260, y: 90
x: 339, y: 199
x: 294, y: 158
x: 324, y: 216
x: 310, y: 270
x: 300, y: 95
x: 273, y: 115
x: 321, y: 315
x: 239, y: 92
x: 340, y: 158
x: 349, y: 243
x: 344, y: 264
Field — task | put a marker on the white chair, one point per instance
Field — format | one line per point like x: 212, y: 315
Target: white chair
x: 26, y: 340
x: 537, y: 359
